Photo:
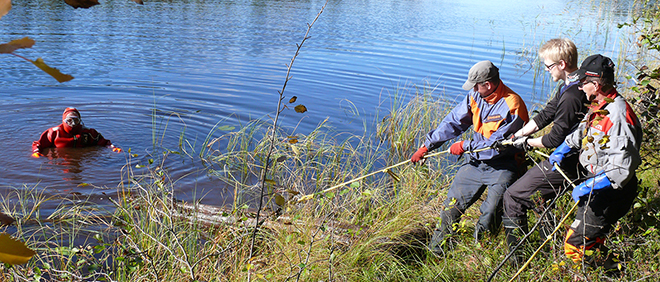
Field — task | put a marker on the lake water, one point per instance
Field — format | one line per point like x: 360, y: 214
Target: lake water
x: 146, y: 75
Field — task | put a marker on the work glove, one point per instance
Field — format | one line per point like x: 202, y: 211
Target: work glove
x: 559, y: 154
x: 600, y: 181
x: 457, y: 148
x: 37, y: 155
x: 419, y: 155
x: 115, y: 149
x: 521, y: 143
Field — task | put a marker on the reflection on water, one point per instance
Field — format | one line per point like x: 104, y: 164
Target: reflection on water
x: 156, y: 78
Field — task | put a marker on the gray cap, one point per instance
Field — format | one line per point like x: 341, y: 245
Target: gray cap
x: 481, y: 72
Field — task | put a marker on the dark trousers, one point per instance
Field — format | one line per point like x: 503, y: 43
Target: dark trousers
x: 595, y: 217
x: 470, y: 182
x: 540, y: 179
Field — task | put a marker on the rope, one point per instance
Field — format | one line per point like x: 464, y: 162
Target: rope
x: 548, y: 238
x: 384, y: 170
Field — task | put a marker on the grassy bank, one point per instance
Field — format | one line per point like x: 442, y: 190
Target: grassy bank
x: 373, y: 229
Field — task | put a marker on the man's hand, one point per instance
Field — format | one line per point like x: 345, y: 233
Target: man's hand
x: 559, y: 154
x: 457, y: 148
x: 501, y: 145
x: 419, y: 155
x: 521, y: 143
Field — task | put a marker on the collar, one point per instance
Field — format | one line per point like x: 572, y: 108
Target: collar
x: 611, y: 94
x: 496, y: 95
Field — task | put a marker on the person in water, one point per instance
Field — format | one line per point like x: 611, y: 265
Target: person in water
x: 72, y: 133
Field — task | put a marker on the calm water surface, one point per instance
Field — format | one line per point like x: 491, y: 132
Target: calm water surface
x: 147, y: 75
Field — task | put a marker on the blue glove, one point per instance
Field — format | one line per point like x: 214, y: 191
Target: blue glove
x: 600, y: 181
x: 559, y: 154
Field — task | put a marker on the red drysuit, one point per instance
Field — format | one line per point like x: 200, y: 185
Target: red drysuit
x: 67, y: 136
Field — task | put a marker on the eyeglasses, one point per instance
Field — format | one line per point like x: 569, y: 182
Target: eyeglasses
x: 581, y: 84
x: 548, y: 67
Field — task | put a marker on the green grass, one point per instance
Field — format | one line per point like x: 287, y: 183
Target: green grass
x: 372, y: 230
x: 376, y: 229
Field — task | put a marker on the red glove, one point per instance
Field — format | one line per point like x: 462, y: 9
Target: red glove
x: 457, y: 148
x: 419, y: 155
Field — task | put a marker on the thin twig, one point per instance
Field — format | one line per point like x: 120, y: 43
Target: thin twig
x: 274, y: 131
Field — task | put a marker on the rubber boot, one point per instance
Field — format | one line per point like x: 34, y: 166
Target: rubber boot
x: 515, y: 229
x: 440, y: 240
x: 479, y: 231
x: 602, y: 257
x: 546, y: 227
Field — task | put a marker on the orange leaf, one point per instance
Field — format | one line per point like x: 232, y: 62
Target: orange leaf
x: 81, y: 3
x: 5, y: 6
x: 300, y: 109
x: 15, y: 44
x: 55, y: 73
x: 13, y: 251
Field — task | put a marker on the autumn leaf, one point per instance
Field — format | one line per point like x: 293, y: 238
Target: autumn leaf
x: 293, y: 139
x: 55, y: 73
x: 279, y: 200
x: 82, y: 3
x: 604, y: 140
x: 13, y: 251
x: 16, y: 44
x: 602, y: 112
x: 609, y: 100
x: 300, y: 109
x: 5, y: 6
x: 293, y: 99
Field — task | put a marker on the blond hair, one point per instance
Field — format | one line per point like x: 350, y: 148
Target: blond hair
x: 560, y: 49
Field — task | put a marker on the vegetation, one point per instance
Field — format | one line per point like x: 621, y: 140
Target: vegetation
x: 371, y: 230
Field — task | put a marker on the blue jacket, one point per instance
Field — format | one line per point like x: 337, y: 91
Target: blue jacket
x: 493, y: 118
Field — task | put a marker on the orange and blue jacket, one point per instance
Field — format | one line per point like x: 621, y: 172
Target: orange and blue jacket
x: 493, y: 118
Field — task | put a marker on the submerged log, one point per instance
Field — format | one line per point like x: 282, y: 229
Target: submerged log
x: 214, y: 216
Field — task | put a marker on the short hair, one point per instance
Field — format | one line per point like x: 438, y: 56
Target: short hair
x: 560, y: 49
